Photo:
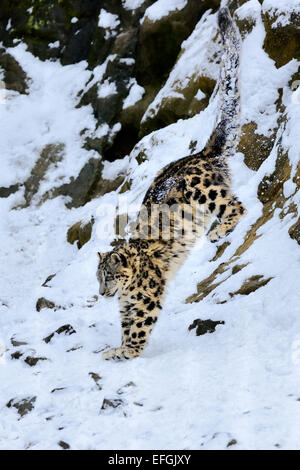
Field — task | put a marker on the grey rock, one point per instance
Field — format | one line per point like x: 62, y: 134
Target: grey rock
x: 51, y: 154
x: 233, y: 442
x: 80, y: 232
x: 6, y: 192
x: 16, y: 355
x: 23, y: 406
x: 66, y: 329
x: 64, y: 445
x: 96, y: 378
x: 44, y: 303
x: 16, y: 343
x: 14, y: 76
x: 48, y: 280
x: 111, y: 403
x: 32, y: 361
x: 204, y: 326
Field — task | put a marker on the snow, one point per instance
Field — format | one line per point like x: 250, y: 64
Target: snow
x: 98, y: 72
x: 38, y: 119
x: 252, y: 8
x: 136, y: 93
x: 258, y: 102
x: 289, y: 188
x: 289, y: 139
x: 112, y: 169
x: 192, y: 62
x: 8, y: 25
x: 162, y: 8
x: 106, y: 89
x: 127, y: 61
x: 241, y: 382
x: 132, y: 4
x: 282, y: 10
x: 287, y: 5
x: 108, y: 21
x: 200, y: 95
x: 53, y: 44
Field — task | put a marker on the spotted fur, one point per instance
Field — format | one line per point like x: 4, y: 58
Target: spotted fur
x: 197, y: 186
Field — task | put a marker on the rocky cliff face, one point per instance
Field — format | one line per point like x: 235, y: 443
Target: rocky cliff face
x: 129, y: 55
x: 99, y: 95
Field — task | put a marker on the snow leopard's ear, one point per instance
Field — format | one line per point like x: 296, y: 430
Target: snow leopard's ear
x: 115, y: 259
x: 100, y: 257
x: 118, y: 258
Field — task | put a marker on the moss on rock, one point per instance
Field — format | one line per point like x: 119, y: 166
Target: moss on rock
x: 271, y: 187
x: 294, y: 231
x: 80, y: 232
x: 66, y: 329
x: 220, y: 251
x: 44, y: 303
x: 166, y: 35
x: 23, y: 406
x: 255, y: 147
x: 182, y: 106
x: 204, y: 326
x: 51, y: 154
x: 14, y: 76
x: 282, y: 42
x: 32, y: 361
x: 251, y: 285
x: 81, y: 188
x: 209, y: 284
x: 126, y: 186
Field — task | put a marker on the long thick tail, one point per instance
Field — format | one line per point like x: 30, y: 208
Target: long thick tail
x: 223, y: 139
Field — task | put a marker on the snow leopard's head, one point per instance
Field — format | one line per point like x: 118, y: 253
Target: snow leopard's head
x: 112, y: 272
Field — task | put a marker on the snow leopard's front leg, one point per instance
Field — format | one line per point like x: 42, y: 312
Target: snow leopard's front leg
x: 137, y: 323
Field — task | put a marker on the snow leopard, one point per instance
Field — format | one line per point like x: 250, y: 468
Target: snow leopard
x: 195, y: 189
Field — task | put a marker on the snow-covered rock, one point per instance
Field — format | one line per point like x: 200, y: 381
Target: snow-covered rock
x: 236, y: 385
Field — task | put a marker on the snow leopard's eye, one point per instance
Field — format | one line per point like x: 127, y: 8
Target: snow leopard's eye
x: 108, y: 277
x: 106, y: 274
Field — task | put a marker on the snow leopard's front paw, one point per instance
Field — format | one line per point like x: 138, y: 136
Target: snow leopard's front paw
x: 213, y: 236
x: 118, y: 354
